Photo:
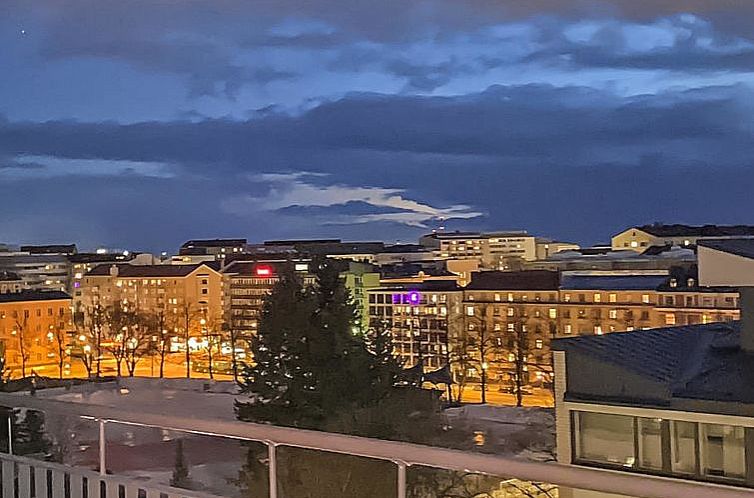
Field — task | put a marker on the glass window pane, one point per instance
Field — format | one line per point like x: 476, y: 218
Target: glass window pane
x: 605, y: 438
x: 683, y: 447
x: 723, y: 452
x: 650, y: 443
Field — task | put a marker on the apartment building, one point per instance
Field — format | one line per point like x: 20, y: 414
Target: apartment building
x: 205, y: 250
x: 494, y: 250
x: 188, y: 295
x: 38, y: 270
x: 640, y: 238
x: 30, y: 322
x: 10, y: 282
x: 417, y: 315
x: 248, y: 284
x: 506, y: 322
x: 83, y: 263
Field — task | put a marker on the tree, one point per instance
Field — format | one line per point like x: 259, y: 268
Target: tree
x: 90, y: 324
x: 138, y: 344
x: 180, y: 478
x: 22, y: 336
x: 211, y: 330
x: 234, y: 337
x: 163, y: 335
x: 59, y: 341
x: 188, y: 315
x: 29, y: 437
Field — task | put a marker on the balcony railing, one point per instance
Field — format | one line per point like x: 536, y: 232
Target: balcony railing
x: 26, y: 478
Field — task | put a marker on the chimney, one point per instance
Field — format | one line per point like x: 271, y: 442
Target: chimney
x: 746, y: 304
x: 113, y: 270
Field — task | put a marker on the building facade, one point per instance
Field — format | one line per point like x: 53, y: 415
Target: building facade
x: 30, y: 324
x: 642, y: 237
x: 494, y: 250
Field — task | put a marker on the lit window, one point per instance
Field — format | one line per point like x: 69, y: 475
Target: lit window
x: 597, y: 298
x: 469, y: 311
x: 552, y: 313
x: 510, y: 297
x: 669, y: 318
x: 538, y: 344
x: 511, y: 312
x: 497, y: 297
x: 634, y: 243
x: 613, y: 298
x: 645, y: 298
x: 613, y: 314
x: 598, y: 329
x: 567, y: 298
x: 567, y: 329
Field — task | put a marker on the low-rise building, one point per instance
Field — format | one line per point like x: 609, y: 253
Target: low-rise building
x: 10, y: 282
x: 494, y: 250
x: 30, y: 323
x: 639, y: 238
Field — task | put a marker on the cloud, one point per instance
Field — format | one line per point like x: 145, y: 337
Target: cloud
x: 290, y: 191
x: 26, y: 167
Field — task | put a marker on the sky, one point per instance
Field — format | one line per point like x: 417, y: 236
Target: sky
x: 145, y: 123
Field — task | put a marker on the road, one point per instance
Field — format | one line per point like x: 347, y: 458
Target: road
x: 175, y: 368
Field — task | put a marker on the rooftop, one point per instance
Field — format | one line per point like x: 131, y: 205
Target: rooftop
x: 739, y: 247
x: 515, y: 280
x: 149, y: 271
x: 50, y: 249
x: 695, y: 362
x: 612, y: 282
x: 213, y: 243
x: 678, y: 230
x: 33, y: 295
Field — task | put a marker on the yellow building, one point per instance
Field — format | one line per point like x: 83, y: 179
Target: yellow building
x: 31, y: 322
x: 641, y: 237
x: 190, y: 296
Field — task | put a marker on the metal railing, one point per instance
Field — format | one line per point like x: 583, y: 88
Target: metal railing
x: 403, y: 455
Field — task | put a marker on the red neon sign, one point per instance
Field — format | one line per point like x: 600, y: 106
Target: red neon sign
x: 263, y: 271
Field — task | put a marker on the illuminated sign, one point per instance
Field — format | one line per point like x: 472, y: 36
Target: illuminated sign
x: 263, y: 271
x: 414, y: 298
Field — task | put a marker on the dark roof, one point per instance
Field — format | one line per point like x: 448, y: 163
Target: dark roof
x: 8, y: 276
x: 33, y: 295
x: 249, y: 267
x: 90, y: 257
x: 148, y: 271
x: 213, y: 243
x: 300, y: 242
x: 699, y: 362
x: 677, y: 230
x: 515, y: 280
x: 399, y: 248
x: 739, y: 247
x: 426, y: 286
x: 50, y: 249
x: 612, y: 282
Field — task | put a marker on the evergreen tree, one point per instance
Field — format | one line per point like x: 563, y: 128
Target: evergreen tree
x: 282, y: 378
x: 180, y: 478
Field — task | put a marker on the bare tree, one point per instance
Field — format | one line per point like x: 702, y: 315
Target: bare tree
x: 188, y: 315
x: 212, y: 328
x: 90, y: 325
x: 163, y: 333
x: 59, y: 340
x: 22, y: 336
x: 120, y: 320
x: 138, y: 344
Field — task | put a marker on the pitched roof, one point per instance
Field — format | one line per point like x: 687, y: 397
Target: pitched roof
x: 515, y: 280
x: 702, y: 362
x: 612, y: 282
x: 149, y: 271
x: 213, y: 243
x: 739, y: 247
x: 678, y: 230
x: 32, y: 295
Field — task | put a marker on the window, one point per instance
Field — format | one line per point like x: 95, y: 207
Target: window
x: 538, y: 344
x: 567, y: 329
x: 683, y: 447
x: 567, y: 298
x: 605, y: 438
x: 469, y: 311
x: 613, y: 314
x: 510, y: 297
x: 645, y: 298
x: 669, y: 318
x: 510, y: 312
x: 497, y: 297
x: 204, y: 291
x: 650, y: 443
x: 613, y: 298
x: 598, y: 298
x: 722, y: 451
x: 552, y: 313
x: 598, y: 329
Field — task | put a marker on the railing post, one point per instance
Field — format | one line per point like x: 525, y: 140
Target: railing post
x: 102, y: 441
x: 10, y: 432
x: 273, y: 470
x: 401, y: 479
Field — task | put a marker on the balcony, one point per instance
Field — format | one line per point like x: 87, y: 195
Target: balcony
x: 398, y: 468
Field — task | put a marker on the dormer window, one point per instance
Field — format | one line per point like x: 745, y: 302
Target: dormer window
x: 690, y: 282
x: 673, y: 283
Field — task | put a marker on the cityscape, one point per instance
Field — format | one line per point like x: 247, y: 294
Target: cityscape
x: 329, y: 249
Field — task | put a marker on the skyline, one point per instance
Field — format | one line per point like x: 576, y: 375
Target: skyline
x: 156, y: 123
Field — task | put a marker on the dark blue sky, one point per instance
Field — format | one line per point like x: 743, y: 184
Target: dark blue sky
x: 144, y: 123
